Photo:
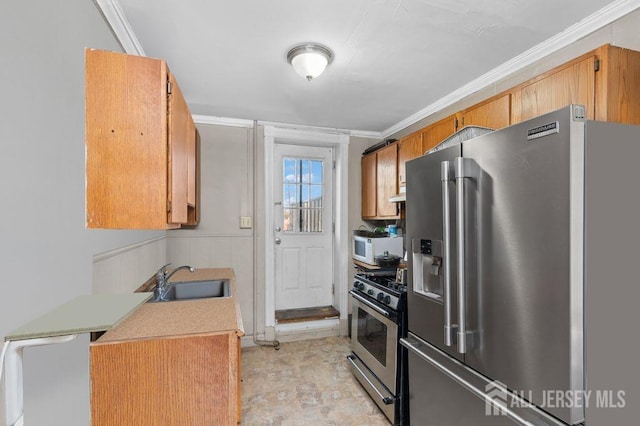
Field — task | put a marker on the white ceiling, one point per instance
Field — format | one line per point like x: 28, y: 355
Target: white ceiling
x: 393, y: 58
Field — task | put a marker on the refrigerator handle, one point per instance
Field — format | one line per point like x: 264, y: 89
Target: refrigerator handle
x: 464, y: 168
x: 498, y: 399
x: 446, y: 176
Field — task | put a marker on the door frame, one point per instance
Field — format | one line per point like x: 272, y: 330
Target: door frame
x: 340, y: 143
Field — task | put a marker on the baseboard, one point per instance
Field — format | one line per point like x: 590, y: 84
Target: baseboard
x: 308, y: 330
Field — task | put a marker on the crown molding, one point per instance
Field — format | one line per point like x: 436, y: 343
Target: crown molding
x: 114, y: 15
x: 328, y: 130
x: 223, y: 121
x: 239, y: 122
x: 589, y: 25
x: 305, y: 135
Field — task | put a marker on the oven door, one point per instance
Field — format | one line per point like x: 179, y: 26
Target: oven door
x: 374, y: 339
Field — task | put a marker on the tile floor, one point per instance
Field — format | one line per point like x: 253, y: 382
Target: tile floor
x: 304, y: 383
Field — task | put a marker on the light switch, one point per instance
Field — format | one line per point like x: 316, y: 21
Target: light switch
x: 246, y: 222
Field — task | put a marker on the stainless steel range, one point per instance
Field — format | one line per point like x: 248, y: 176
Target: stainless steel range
x: 378, y: 361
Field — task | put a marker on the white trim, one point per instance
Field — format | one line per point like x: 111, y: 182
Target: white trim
x: 269, y: 271
x: 307, y: 325
x: 222, y: 121
x: 322, y: 130
x: 241, y: 122
x: 590, y: 24
x: 305, y: 137
x: 115, y: 17
x: 112, y: 253
x: 340, y: 143
x: 366, y: 134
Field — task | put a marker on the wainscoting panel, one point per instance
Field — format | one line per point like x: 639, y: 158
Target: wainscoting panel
x: 124, y: 269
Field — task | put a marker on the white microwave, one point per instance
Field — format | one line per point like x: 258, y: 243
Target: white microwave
x: 365, y: 249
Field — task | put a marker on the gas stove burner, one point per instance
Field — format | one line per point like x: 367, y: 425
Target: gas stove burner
x: 383, y: 289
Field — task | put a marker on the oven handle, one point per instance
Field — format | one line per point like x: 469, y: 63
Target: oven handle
x: 385, y: 399
x: 374, y: 307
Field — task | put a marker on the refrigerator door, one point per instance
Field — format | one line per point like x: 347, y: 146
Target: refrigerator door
x: 523, y: 216
x: 426, y: 296
x: 446, y: 392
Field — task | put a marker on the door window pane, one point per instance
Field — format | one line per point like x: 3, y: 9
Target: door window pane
x: 302, y: 193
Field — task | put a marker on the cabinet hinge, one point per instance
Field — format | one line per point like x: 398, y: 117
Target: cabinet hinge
x: 334, y: 164
x: 333, y: 227
x: 455, y: 123
x: 333, y: 288
x: 168, y: 206
x: 169, y: 87
x: 596, y: 65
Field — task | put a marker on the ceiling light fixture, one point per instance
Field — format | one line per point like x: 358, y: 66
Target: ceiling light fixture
x: 309, y: 59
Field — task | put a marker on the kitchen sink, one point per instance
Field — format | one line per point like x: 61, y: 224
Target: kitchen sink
x: 188, y: 290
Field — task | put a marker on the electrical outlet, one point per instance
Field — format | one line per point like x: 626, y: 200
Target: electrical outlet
x: 246, y: 222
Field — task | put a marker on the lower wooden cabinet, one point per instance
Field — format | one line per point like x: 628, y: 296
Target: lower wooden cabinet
x: 179, y: 380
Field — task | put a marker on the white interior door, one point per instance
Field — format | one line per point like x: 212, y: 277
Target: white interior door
x: 303, y: 226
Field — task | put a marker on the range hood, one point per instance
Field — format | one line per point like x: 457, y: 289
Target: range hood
x: 400, y: 197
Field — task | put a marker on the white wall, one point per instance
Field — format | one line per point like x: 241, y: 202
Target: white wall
x: 622, y: 33
x: 356, y: 147
x: 46, y: 252
x: 226, y: 178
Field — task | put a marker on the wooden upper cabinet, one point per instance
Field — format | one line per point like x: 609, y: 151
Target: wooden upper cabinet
x: 369, y: 188
x: 572, y: 83
x: 193, y: 169
x: 387, y: 181
x: 139, y: 134
x: 409, y: 148
x: 618, y: 85
x: 494, y: 113
x: 435, y: 133
x: 179, y: 146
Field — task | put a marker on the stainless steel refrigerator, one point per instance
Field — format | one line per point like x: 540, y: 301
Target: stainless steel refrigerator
x: 523, y: 250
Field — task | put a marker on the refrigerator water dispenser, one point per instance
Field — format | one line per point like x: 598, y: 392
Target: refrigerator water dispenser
x: 427, y: 262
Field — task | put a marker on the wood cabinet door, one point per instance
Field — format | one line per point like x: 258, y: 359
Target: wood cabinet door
x: 193, y: 190
x: 126, y: 141
x: 494, y: 114
x: 409, y: 148
x: 573, y: 84
x: 618, y: 85
x: 368, y: 165
x: 180, y: 380
x: 437, y: 132
x: 387, y: 181
x: 179, y: 146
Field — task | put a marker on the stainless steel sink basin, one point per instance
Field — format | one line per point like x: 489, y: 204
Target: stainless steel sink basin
x: 188, y: 290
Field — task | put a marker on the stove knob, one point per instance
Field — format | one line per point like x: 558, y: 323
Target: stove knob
x: 380, y: 296
x: 370, y: 292
x: 387, y: 300
x: 360, y: 286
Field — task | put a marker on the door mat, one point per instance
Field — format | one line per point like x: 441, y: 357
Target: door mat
x: 306, y: 314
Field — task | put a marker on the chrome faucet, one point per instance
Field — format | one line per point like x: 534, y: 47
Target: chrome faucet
x: 162, y: 278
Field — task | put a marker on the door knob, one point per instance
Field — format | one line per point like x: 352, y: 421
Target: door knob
x: 278, y: 240
x: 278, y: 229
